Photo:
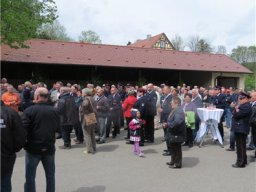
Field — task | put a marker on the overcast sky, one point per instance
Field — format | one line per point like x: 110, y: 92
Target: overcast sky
x: 220, y: 22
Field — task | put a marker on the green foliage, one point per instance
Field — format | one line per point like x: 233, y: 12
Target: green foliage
x: 20, y: 19
x: 203, y: 46
x: 250, y: 80
x: 53, y: 31
x: 90, y: 37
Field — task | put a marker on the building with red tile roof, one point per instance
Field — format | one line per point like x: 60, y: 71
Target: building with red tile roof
x: 73, y: 61
x: 159, y: 41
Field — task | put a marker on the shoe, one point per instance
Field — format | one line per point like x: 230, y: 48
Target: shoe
x: 141, y: 154
x: 126, y: 138
x: 128, y: 142
x: 238, y: 166
x: 100, y: 142
x: 184, y: 144
x: 88, y: 152
x: 167, y: 154
x: 65, y: 147
x: 230, y: 149
x: 166, y: 150
x: 174, y: 166
x: 249, y: 148
x: 169, y: 163
x: 113, y: 136
x: 190, y: 145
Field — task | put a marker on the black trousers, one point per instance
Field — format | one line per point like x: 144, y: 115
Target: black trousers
x: 189, y: 136
x: 221, y: 130
x: 149, y: 128
x: 240, y: 139
x: 176, y: 152
x: 128, y: 120
x: 66, y: 130
x: 115, y: 118
x: 79, y: 132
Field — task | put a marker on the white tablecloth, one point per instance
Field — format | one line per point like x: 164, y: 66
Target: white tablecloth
x: 209, y: 120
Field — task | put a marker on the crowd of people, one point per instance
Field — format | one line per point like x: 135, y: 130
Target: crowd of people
x: 46, y: 114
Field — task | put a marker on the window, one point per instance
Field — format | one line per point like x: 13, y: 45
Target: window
x: 162, y: 44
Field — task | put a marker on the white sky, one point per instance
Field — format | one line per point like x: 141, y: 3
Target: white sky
x: 220, y: 22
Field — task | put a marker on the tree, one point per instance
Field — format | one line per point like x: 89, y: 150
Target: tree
x: 203, y: 46
x: 252, y: 54
x: 192, y: 43
x: 240, y: 54
x: 53, y: 31
x: 177, y: 42
x: 21, y: 19
x: 90, y: 37
x: 221, y: 49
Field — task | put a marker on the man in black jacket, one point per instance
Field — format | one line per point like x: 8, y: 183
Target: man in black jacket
x: 115, y: 106
x: 165, y: 111
x: 220, y: 102
x: 151, y: 113
x: 68, y: 112
x: 13, y: 137
x: 41, y: 122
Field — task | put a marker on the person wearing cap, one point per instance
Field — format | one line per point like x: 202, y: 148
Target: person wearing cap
x: 240, y: 125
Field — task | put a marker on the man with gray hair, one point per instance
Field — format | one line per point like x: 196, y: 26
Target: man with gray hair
x: 41, y: 121
x: 68, y: 111
x: 102, y: 108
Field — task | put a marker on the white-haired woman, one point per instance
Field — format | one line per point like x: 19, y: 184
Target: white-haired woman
x: 88, y: 106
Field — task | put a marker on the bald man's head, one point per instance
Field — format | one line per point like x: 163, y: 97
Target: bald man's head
x: 41, y: 95
x: 253, y: 96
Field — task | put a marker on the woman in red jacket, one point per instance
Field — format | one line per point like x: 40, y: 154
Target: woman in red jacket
x: 127, y: 106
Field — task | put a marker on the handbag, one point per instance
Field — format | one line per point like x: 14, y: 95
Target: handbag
x: 90, y: 118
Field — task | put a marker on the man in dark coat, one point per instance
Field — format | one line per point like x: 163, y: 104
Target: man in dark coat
x: 151, y: 113
x: 241, y: 128
x: 13, y: 137
x: 41, y: 122
x: 68, y: 111
x: 165, y: 111
x: 115, y: 106
x: 102, y: 108
x: 220, y: 102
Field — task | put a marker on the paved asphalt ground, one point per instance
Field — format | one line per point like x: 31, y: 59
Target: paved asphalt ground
x: 114, y: 168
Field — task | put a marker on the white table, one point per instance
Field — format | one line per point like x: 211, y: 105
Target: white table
x: 209, y: 121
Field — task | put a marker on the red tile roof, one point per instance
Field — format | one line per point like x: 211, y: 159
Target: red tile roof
x: 58, y: 52
x: 146, y: 43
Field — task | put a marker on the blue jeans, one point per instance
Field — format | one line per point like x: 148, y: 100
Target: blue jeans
x: 228, y: 117
x: 31, y: 163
